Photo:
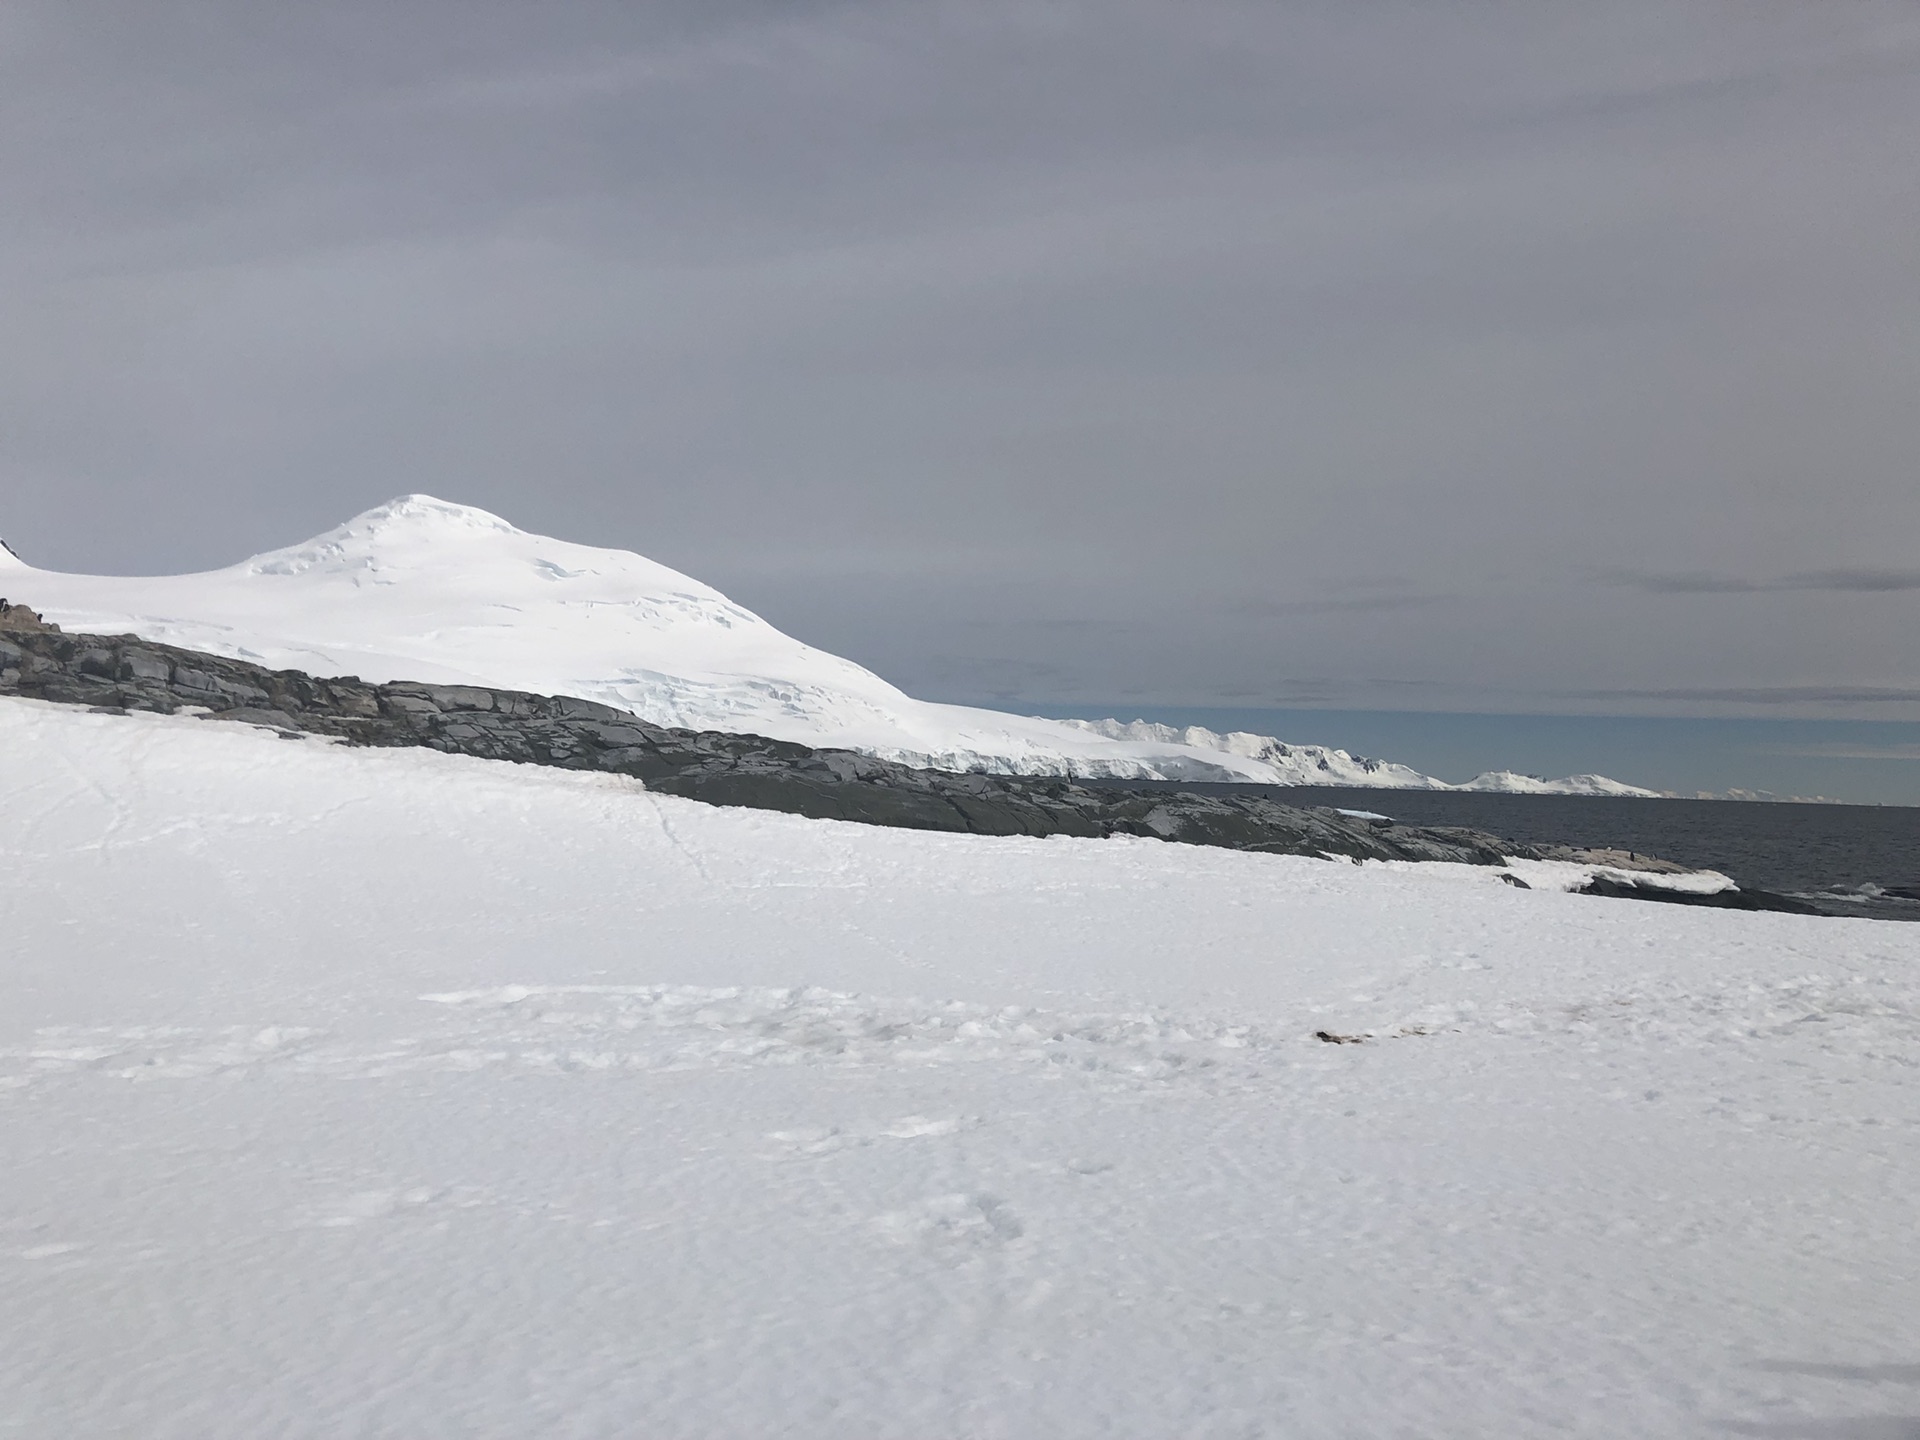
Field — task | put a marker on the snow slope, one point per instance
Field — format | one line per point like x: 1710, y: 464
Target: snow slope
x: 419, y: 589
x: 392, y: 1094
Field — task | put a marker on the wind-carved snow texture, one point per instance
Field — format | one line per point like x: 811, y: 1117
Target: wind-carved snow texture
x: 419, y: 589
x: 392, y: 1093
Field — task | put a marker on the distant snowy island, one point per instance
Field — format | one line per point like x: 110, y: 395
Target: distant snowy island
x: 421, y: 589
x: 1321, y: 765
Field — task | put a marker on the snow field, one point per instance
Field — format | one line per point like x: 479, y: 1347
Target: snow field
x: 391, y: 1093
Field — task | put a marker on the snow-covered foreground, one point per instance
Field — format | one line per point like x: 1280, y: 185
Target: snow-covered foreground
x: 420, y: 589
x: 386, y: 1093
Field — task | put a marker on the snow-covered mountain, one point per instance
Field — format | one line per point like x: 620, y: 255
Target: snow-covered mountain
x: 1322, y: 765
x: 1506, y: 782
x: 420, y: 589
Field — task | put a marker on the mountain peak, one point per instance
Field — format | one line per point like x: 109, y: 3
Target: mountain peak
x: 425, y: 512
x: 408, y: 529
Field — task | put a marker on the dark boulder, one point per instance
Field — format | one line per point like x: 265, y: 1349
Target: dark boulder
x: 1717, y: 900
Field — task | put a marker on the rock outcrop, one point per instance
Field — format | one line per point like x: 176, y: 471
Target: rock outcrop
x: 1718, y: 899
x: 123, y: 673
x: 20, y: 618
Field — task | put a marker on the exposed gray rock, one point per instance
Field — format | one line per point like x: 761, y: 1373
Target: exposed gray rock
x: 19, y: 617
x: 1716, y: 899
x: 1615, y: 860
x: 124, y: 674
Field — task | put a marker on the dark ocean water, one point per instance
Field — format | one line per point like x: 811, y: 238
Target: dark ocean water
x: 1834, y: 855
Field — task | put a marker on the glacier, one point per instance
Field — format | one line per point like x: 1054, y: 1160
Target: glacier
x: 423, y: 589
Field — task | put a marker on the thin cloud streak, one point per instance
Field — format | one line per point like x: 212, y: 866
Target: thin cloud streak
x: 1865, y: 580
x: 1841, y: 751
x: 1357, y: 604
x: 1765, y: 695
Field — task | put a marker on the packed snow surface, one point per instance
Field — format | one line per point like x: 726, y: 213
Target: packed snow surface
x: 386, y: 1093
x: 419, y: 589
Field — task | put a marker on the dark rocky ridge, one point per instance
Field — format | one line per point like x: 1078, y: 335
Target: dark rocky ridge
x: 125, y: 673
x: 1718, y: 900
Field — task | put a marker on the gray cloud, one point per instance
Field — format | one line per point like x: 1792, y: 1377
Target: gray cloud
x: 1858, y: 580
x: 1839, y: 750
x: 1352, y: 603
x: 1766, y: 695
x: 1283, y: 339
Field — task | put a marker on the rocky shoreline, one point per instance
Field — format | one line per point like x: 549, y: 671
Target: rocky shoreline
x: 123, y: 673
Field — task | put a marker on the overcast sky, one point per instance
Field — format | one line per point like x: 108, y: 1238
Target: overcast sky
x: 1427, y: 355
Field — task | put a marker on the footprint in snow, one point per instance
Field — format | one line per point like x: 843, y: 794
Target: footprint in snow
x: 914, y: 1127
x: 375, y: 1205
x: 951, y: 1223
x: 824, y: 1140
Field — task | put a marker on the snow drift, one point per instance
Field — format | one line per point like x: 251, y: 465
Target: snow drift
x: 420, y: 589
